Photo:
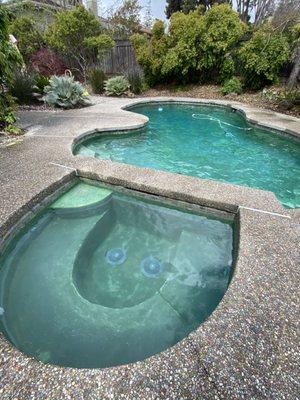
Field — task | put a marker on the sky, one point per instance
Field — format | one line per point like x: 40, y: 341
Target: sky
x: 158, y: 6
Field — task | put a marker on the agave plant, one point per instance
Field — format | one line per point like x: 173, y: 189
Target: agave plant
x: 65, y: 92
x: 116, y: 86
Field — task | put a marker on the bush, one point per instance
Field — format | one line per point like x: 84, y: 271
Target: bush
x: 151, y: 53
x: 116, y: 86
x: 232, y: 85
x: 22, y: 87
x: 96, y: 78
x: 286, y: 99
x: 47, y: 63
x: 136, y: 82
x: 262, y: 56
x: 7, y: 116
x: 64, y: 92
x: 41, y: 82
x: 77, y: 34
x: 29, y: 38
x: 197, y: 47
x: 289, y: 98
x: 10, y: 58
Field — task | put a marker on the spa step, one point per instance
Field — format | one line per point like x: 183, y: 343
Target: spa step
x: 82, y: 200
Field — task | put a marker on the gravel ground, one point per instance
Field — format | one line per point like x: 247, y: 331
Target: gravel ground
x: 213, y: 92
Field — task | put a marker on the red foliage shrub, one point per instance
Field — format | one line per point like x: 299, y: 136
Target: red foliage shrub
x: 47, y: 63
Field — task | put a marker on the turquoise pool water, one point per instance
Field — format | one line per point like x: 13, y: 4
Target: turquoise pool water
x: 210, y: 143
x: 102, y: 278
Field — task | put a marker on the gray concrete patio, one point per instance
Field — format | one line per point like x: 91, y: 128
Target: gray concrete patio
x: 247, y: 349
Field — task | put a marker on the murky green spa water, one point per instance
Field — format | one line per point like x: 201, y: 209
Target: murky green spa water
x: 210, y: 143
x: 102, y: 278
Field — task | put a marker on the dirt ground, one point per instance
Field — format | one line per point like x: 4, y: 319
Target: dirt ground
x: 213, y: 92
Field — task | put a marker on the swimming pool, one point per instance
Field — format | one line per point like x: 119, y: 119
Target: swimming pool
x: 208, y: 142
x: 103, y: 278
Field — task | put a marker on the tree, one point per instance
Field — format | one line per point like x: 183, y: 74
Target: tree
x: 173, y: 6
x: 244, y: 8
x: 286, y: 20
x: 190, y: 5
x: 151, y: 53
x: 10, y: 58
x: 148, y: 19
x: 125, y: 20
x: 262, y: 56
x: 197, y: 46
x: 293, y: 78
x: 222, y: 30
x: 263, y: 9
x: 28, y: 37
x: 77, y: 34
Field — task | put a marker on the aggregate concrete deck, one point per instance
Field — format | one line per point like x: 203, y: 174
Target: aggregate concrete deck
x: 247, y: 349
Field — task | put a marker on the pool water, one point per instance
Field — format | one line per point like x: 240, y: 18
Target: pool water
x: 210, y: 143
x: 111, y: 280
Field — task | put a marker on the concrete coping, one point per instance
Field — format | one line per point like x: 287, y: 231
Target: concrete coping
x: 246, y: 349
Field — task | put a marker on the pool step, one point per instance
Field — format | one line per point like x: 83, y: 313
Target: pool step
x: 82, y: 200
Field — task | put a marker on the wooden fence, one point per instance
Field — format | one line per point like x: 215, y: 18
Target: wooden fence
x: 121, y: 59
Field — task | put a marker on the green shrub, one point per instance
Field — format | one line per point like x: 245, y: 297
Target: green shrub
x: 41, y: 81
x: 232, y: 85
x: 151, y: 53
x: 22, y: 87
x: 77, y: 34
x: 136, y: 82
x: 286, y: 99
x: 270, y: 95
x: 10, y: 59
x: 64, y: 92
x: 29, y: 38
x: 226, y: 70
x: 116, y: 86
x: 96, y: 78
x: 197, y: 47
x: 7, y: 116
x: 289, y: 98
x: 262, y: 56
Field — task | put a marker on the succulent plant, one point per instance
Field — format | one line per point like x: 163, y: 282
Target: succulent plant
x: 65, y: 92
x: 116, y: 86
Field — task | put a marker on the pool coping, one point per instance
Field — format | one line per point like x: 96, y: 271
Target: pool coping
x: 215, y: 361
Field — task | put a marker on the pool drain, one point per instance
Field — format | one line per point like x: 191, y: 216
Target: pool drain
x: 151, y: 267
x: 115, y: 256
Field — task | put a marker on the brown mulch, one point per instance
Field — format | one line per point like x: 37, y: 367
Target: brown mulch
x: 213, y: 92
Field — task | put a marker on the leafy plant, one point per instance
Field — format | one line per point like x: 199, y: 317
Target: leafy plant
x: 232, y: 85
x: 64, y: 92
x: 96, y: 78
x: 29, y: 38
x: 270, y: 94
x: 22, y: 87
x: 262, y: 56
x: 46, y: 62
x: 286, y: 99
x: 136, y: 82
x: 78, y: 35
x: 116, y: 86
x: 289, y: 98
x: 10, y: 58
x: 197, y: 47
x: 151, y: 53
x: 125, y: 20
x: 41, y: 81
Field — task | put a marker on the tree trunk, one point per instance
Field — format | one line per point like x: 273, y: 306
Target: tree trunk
x: 293, y: 78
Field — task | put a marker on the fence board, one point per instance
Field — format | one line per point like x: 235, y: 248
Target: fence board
x: 120, y: 59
